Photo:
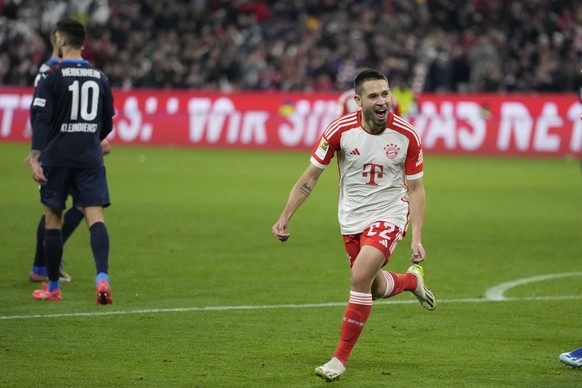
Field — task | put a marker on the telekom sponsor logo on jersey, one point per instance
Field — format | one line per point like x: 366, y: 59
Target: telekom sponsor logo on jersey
x: 529, y: 125
x: 372, y: 172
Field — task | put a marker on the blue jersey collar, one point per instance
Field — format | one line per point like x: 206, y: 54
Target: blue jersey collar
x: 74, y: 61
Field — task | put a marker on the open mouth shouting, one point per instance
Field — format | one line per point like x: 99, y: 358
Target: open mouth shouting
x: 381, y: 114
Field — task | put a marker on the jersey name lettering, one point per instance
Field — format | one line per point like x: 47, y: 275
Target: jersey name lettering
x: 81, y: 72
x: 79, y: 127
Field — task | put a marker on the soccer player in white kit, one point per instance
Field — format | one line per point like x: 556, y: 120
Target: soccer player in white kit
x: 381, y: 191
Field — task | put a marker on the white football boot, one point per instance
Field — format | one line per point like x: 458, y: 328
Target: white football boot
x: 422, y: 293
x: 331, y: 371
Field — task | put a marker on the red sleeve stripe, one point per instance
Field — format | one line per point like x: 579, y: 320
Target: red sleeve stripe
x: 405, y: 126
x: 342, y: 122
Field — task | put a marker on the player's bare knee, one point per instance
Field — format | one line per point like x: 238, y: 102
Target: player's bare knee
x: 361, y: 282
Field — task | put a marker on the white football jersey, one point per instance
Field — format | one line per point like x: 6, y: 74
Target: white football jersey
x: 372, y: 170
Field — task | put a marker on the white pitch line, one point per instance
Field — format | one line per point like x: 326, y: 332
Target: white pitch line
x: 271, y: 307
x: 496, y: 293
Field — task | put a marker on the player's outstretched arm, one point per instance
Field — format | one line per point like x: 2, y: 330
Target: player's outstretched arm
x: 299, y: 193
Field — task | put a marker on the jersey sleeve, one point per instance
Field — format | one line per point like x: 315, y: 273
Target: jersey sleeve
x: 330, y: 141
x: 325, y: 148
x: 414, y: 165
x: 108, y: 111
x: 322, y: 153
x: 41, y: 110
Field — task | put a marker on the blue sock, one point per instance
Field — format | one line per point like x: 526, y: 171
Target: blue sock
x: 53, y: 285
x: 100, y: 246
x: 102, y: 276
x: 39, y: 270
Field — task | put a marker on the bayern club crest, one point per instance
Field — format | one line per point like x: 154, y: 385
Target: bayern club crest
x: 391, y: 150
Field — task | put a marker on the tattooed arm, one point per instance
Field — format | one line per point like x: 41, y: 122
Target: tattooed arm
x: 302, y: 189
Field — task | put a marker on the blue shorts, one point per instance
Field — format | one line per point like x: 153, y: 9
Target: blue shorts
x: 87, y: 186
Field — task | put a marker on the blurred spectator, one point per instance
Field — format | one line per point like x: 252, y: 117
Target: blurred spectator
x: 308, y: 45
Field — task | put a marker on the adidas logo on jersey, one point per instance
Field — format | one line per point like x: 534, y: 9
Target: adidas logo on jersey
x: 384, y: 242
x: 355, y: 152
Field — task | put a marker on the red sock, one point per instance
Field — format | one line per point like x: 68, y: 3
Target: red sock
x: 357, y: 312
x: 398, y: 283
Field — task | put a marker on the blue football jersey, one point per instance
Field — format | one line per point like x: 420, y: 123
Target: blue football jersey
x: 71, y: 112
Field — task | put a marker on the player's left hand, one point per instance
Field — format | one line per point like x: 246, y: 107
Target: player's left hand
x: 105, y: 147
x: 418, y: 253
x: 38, y: 174
x: 280, y: 231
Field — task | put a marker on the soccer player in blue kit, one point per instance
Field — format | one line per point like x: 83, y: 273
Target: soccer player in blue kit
x: 71, y: 113
x: 72, y: 217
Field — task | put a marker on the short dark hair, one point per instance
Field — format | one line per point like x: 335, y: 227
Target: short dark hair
x: 73, y: 30
x: 367, y: 75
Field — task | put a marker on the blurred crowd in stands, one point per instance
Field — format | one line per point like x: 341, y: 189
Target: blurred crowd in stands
x: 308, y: 45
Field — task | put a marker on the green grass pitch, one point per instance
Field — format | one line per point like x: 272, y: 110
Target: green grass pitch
x: 204, y: 296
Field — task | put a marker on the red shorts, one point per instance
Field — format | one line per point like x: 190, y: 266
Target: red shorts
x: 381, y: 235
